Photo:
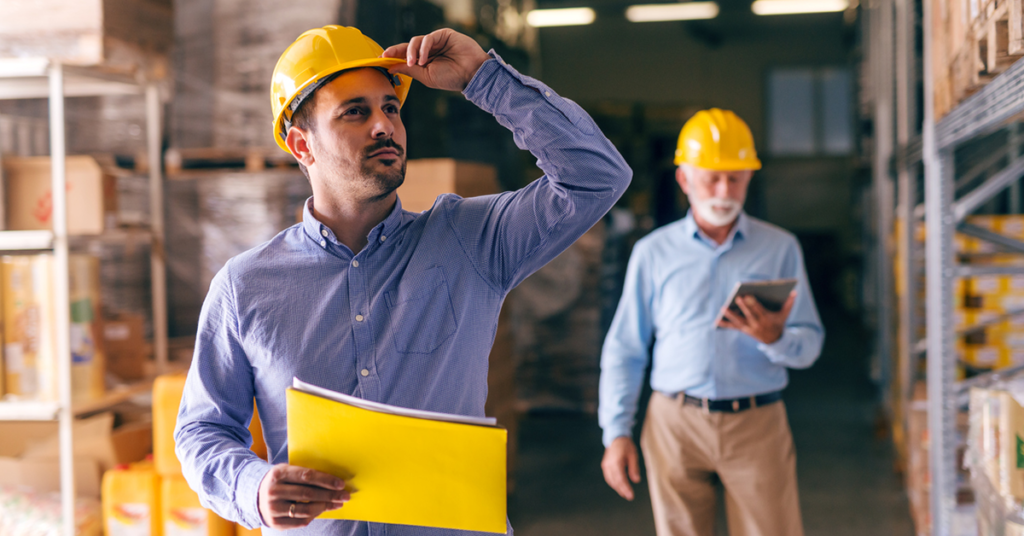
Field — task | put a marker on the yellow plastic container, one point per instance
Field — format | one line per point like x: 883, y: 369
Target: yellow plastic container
x: 183, y: 515
x: 242, y: 531
x: 167, y: 391
x: 131, y: 505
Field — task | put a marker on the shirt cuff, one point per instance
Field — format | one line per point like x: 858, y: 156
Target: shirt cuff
x: 612, y: 433
x: 247, y: 493
x: 777, y: 351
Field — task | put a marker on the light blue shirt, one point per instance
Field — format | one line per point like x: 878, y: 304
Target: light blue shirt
x: 677, y: 282
x: 407, y: 321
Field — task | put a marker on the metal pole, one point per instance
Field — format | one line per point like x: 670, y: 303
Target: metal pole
x: 61, y: 305
x: 157, y: 256
x: 907, y: 180
x: 883, y: 188
x: 940, y: 225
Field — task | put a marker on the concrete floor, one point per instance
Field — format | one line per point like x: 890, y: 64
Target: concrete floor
x: 847, y: 484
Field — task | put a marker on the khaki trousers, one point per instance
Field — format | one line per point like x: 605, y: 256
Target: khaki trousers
x: 751, y: 452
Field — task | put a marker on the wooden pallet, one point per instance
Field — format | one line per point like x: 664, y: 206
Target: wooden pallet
x: 177, y: 161
x: 973, y: 42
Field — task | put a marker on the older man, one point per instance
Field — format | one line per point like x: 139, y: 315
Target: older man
x: 716, y: 410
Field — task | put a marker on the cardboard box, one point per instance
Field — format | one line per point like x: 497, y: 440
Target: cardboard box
x: 125, y: 346
x: 132, y: 442
x: 28, y: 195
x: 118, y: 34
x: 29, y: 454
x: 428, y: 178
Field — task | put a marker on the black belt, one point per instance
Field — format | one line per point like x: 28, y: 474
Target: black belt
x: 734, y: 405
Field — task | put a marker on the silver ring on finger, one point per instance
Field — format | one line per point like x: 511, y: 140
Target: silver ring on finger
x: 291, y: 510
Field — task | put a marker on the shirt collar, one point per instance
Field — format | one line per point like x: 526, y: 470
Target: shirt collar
x: 740, y: 230
x: 324, y: 236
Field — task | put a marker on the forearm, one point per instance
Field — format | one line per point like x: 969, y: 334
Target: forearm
x: 220, y: 467
x: 570, y: 148
x: 799, y: 347
x: 619, y: 393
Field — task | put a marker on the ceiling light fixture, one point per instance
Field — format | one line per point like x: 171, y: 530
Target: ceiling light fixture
x: 575, y: 16
x: 794, y: 7
x: 666, y: 12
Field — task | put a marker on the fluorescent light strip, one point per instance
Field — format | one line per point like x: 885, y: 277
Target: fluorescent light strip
x: 794, y: 7
x: 575, y: 16
x: 665, y: 12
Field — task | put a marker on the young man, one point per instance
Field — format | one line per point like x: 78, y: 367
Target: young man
x: 716, y: 407
x: 363, y: 297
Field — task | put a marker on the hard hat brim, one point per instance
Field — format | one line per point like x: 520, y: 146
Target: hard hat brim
x: 738, y: 165
x: 385, y: 63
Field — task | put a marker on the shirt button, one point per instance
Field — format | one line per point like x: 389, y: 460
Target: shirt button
x: 355, y: 263
x: 383, y: 238
x: 359, y: 318
x: 324, y: 232
x: 364, y: 372
x: 323, y: 243
x: 547, y: 93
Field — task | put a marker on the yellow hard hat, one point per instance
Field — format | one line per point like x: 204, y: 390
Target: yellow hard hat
x: 309, y: 62
x: 717, y: 140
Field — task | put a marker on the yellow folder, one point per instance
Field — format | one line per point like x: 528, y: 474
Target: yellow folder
x: 403, y: 469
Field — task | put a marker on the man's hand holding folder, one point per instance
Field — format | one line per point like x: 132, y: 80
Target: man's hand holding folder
x: 385, y: 454
x: 292, y: 497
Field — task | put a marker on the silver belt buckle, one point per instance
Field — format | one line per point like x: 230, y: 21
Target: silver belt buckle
x: 735, y: 406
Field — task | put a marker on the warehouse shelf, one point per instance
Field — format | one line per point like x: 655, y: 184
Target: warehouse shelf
x: 950, y: 196
x: 29, y: 411
x: 28, y: 78
x: 26, y: 240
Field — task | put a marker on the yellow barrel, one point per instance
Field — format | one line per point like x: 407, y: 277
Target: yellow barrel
x: 167, y: 391
x: 131, y: 501
x: 242, y: 531
x: 182, y: 515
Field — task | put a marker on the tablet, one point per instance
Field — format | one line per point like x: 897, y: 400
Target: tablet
x: 772, y: 294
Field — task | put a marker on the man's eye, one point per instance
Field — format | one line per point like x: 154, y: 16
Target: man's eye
x: 391, y: 109
x: 353, y: 111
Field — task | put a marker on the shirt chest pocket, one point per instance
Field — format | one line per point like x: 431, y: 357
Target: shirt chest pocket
x: 422, y: 317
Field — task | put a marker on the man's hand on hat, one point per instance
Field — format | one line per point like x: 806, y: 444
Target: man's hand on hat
x: 760, y: 323
x: 444, y: 59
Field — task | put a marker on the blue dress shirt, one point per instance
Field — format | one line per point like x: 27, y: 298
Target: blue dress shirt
x: 676, y: 283
x: 407, y: 321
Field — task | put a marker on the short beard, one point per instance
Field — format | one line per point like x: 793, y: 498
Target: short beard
x: 708, y: 214
x: 383, y: 182
x: 386, y: 181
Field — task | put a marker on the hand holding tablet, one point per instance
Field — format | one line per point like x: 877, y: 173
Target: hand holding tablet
x: 759, y: 308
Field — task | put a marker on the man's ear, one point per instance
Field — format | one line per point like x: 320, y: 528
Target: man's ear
x: 681, y: 179
x: 298, y: 142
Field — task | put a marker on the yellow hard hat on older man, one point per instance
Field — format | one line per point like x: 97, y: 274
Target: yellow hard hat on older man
x: 717, y: 140
x: 313, y: 60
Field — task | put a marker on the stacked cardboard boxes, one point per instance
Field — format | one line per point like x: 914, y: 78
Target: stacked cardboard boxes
x: 995, y: 454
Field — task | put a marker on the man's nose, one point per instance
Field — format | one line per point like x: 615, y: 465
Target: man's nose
x: 382, y: 126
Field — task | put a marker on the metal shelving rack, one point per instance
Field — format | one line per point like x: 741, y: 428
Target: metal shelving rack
x: 44, y: 78
x: 995, y: 105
